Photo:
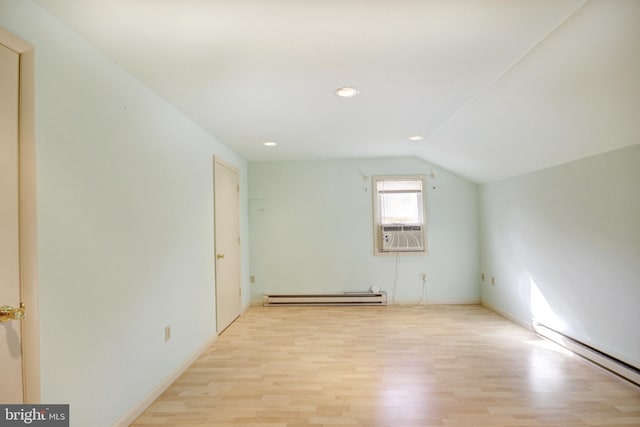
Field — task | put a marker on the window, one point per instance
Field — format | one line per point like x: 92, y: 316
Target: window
x: 398, y: 207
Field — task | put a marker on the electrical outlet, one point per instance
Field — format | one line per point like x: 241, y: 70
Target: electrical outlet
x: 424, y: 277
x: 252, y: 279
x: 167, y: 333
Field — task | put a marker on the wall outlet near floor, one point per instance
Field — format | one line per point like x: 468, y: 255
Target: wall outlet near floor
x: 167, y: 333
x: 252, y: 279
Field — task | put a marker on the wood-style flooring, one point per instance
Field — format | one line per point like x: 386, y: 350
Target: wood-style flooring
x: 389, y: 366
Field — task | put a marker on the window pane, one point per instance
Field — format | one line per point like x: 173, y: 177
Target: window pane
x: 399, y: 201
x: 400, y: 208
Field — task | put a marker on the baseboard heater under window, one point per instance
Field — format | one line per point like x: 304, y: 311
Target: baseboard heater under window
x: 347, y: 298
x: 609, y: 363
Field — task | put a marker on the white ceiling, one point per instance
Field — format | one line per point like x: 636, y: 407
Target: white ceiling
x: 496, y: 87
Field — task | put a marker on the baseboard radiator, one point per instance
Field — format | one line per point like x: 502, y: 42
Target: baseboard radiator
x: 603, y: 360
x: 347, y: 298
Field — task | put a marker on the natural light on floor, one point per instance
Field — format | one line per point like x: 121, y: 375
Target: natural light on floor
x: 548, y: 345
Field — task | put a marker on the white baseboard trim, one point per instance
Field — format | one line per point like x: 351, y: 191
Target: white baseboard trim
x: 507, y: 315
x: 439, y: 302
x: 139, y: 408
x: 467, y: 301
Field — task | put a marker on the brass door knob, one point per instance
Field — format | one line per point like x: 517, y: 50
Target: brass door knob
x: 9, y: 313
x: 220, y: 256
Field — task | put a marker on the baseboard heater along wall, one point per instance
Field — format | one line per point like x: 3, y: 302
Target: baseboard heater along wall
x: 347, y: 298
x: 603, y: 360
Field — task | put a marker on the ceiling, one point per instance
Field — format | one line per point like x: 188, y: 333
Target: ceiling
x: 496, y: 87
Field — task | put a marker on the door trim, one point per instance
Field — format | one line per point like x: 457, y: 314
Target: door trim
x: 27, y: 217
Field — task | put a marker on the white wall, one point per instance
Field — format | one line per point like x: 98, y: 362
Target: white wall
x: 574, y: 232
x: 125, y: 223
x: 316, y: 234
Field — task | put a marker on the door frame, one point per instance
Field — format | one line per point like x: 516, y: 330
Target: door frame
x: 27, y: 216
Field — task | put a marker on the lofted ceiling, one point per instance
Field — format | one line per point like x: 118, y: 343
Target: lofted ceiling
x: 496, y: 87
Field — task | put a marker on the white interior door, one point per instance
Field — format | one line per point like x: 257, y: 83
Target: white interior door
x: 10, y: 330
x: 227, y: 244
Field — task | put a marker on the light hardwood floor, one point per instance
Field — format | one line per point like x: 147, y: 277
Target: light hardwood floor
x: 389, y: 366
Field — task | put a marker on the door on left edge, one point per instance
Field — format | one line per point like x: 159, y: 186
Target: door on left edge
x: 10, y: 329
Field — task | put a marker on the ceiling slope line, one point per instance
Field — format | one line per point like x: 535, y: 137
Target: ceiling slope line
x: 503, y: 74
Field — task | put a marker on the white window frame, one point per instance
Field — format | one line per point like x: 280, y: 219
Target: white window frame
x: 377, y: 233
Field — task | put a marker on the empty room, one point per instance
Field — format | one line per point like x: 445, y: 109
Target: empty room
x: 320, y: 213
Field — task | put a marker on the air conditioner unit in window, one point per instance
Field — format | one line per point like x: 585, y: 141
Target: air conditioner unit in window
x: 401, y: 238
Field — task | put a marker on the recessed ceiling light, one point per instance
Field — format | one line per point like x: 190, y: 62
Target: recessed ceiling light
x: 416, y: 138
x: 270, y: 143
x: 347, y: 92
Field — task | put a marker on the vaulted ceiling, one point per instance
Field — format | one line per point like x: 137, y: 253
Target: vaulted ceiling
x: 496, y: 87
